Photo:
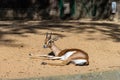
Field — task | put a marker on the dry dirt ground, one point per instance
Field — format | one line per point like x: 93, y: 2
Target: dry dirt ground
x: 100, y: 39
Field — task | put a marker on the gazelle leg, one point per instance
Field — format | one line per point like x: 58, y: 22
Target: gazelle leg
x: 48, y: 57
x: 54, y: 58
x: 38, y: 56
x: 57, y: 64
x: 43, y: 57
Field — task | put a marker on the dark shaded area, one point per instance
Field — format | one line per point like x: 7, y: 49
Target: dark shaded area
x: 40, y: 9
x: 96, y: 9
x: 23, y: 9
x: 51, y: 53
x: 111, y: 30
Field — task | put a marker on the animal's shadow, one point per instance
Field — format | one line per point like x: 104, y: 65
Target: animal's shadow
x: 51, y: 53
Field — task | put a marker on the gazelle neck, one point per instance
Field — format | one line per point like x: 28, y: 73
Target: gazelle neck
x: 55, y: 49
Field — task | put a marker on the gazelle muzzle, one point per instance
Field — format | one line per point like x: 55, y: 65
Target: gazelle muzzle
x: 44, y: 46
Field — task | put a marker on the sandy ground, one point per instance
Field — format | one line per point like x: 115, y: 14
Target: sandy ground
x: 101, y: 40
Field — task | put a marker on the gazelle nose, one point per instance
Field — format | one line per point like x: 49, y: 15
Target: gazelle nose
x: 44, y: 46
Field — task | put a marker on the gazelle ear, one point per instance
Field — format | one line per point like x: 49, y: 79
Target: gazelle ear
x: 55, y: 38
x: 50, y: 34
x: 46, y: 34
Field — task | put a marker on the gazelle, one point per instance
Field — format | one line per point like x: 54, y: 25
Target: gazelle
x: 76, y: 56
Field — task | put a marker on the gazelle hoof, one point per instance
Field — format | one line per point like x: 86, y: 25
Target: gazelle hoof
x: 43, y: 63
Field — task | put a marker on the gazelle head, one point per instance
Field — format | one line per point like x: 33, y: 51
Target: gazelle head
x: 49, y: 40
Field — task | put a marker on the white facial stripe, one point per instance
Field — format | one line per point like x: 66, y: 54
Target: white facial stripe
x: 49, y: 40
x: 68, y: 54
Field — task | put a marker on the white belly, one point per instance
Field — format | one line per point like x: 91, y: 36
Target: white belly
x: 79, y: 61
x: 68, y: 54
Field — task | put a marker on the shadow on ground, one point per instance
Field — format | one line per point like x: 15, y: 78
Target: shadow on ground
x: 112, y: 30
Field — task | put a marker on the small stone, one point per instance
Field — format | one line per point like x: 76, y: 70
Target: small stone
x: 43, y: 63
x: 21, y: 46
